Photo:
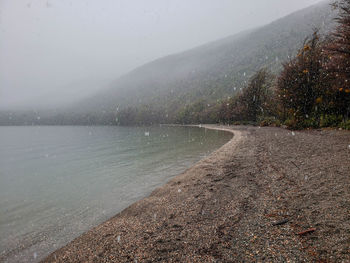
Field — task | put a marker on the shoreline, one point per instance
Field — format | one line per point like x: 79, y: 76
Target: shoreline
x: 236, y: 136
x: 237, y: 205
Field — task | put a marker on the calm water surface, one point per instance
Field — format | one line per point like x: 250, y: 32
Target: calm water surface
x: 58, y: 182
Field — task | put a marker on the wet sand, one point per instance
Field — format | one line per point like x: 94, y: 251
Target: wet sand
x: 267, y: 195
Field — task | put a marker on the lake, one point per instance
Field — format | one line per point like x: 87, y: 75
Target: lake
x: 57, y: 182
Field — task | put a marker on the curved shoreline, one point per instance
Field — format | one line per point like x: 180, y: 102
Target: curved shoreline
x: 257, y: 203
x: 236, y: 137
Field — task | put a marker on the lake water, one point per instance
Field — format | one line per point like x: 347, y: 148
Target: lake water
x: 58, y: 182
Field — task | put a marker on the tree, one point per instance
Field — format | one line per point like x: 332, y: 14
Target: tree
x: 302, y: 86
x: 256, y: 95
x: 339, y: 60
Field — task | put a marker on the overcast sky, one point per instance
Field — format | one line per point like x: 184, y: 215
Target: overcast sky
x: 54, y: 51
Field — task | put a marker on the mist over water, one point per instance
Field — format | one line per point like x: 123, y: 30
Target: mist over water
x: 58, y: 182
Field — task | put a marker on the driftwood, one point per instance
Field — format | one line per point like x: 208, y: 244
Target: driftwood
x: 282, y: 222
x: 310, y: 230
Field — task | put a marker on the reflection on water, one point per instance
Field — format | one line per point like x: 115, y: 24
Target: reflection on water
x: 57, y: 182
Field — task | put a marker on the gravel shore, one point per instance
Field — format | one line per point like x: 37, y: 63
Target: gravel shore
x: 269, y: 194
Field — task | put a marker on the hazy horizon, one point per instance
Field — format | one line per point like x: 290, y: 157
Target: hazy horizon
x: 62, y: 51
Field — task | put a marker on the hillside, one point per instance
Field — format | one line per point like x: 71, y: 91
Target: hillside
x: 214, y: 70
x: 209, y: 72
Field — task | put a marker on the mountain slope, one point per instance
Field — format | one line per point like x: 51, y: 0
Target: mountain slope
x: 214, y: 70
x: 207, y: 73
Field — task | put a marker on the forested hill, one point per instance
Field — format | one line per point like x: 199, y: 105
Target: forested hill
x: 206, y: 73
x: 214, y: 70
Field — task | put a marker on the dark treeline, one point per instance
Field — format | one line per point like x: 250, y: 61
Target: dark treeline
x: 313, y: 90
x: 19, y: 118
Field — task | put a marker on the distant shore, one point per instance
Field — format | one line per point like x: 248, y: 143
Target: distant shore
x: 269, y: 194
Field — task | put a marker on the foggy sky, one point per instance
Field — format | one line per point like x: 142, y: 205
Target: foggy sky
x: 56, y: 51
